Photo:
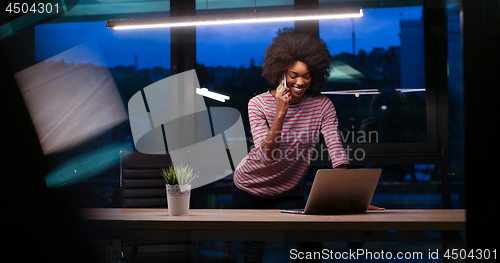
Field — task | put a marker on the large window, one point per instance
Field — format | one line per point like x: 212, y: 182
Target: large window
x: 396, y: 84
x: 378, y: 90
x: 388, y: 106
x: 387, y: 110
x: 377, y: 84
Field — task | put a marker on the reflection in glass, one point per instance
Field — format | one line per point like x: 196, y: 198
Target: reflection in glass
x: 377, y: 84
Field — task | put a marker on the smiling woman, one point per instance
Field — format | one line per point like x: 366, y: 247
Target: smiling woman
x: 271, y: 176
x: 299, y: 80
x: 288, y: 48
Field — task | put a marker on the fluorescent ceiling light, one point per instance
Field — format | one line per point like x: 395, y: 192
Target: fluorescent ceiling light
x: 210, y: 94
x: 238, y: 18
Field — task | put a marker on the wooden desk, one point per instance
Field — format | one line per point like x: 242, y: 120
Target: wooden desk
x: 271, y: 225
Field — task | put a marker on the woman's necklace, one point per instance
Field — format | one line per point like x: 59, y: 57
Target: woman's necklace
x: 300, y: 104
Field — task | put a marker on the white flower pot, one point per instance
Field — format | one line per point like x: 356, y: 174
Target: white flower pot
x: 178, y: 199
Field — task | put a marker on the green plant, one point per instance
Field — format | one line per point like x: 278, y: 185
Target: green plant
x: 180, y: 174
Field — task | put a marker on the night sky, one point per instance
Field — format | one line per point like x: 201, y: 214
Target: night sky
x: 233, y: 45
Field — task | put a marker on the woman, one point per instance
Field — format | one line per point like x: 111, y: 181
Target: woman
x: 285, y: 125
x: 286, y: 122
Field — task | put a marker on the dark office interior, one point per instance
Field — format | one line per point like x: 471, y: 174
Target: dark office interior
x: 445, y: 158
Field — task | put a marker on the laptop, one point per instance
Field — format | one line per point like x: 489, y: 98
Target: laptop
x: 340, y: 191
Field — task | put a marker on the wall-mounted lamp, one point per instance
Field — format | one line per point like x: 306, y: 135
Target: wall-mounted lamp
x: 238, y: 18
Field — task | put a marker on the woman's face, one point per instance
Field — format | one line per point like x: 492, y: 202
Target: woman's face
x: 298, y: 79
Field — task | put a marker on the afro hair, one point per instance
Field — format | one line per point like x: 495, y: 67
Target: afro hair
x: 289, y: 47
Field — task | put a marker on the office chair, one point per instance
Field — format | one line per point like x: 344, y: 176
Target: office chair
x: 142, y: 186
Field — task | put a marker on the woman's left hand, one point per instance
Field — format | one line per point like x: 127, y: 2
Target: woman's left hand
x: 372, y: 207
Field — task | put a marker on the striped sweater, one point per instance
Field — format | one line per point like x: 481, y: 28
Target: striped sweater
x: 261, y: 176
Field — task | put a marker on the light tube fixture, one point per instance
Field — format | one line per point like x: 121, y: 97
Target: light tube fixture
x: 237, y: 18
x: 210, y: 94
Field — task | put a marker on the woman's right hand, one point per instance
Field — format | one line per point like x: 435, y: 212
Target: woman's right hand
x: 272, y: 141
x: 283, y: 99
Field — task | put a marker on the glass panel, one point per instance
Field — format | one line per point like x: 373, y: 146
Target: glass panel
x: 377, y: 83
x: 82, y: 58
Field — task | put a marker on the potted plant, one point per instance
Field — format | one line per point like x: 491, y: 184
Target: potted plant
x: 178, y: 183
